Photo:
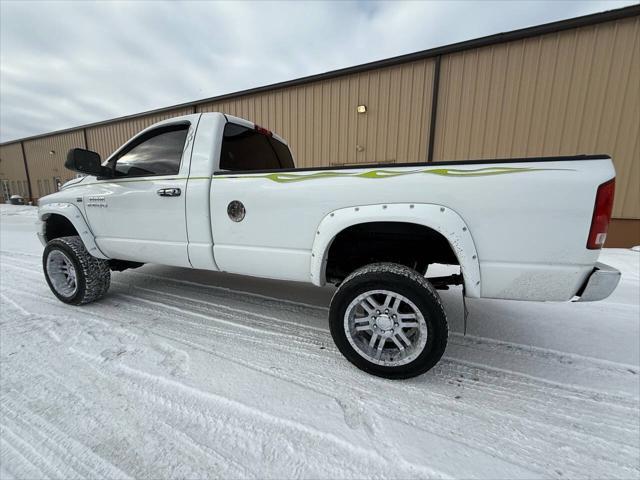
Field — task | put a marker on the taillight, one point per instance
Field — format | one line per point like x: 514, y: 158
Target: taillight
x: 601, y: 215
x: 263, y: 131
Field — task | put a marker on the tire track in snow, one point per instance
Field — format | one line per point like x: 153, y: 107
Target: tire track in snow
x: 182, y: 445
x: 229, y: 473
x: 165, y: 306
x: 466, y: 364
x: 490, y: 345
x: 30, y: 457
x: 248, y: 322
x: 613, y: 400
x: 240, y: 311
x: 524, y: 383
x: 17, y: 462
x: 439, y: 411
x: 59, y: 304
x: 83, y: 462
x: 520, y: 349
x: 529, y: 352
x: 455, y: 338
x: 500, y: 372
x: 160, y: 304
x: 477, y: 366
x: 230, y: 291
x: 507, y: 372
x: 179, y: 310
x: 237, y: 470
x: 15, y: 253
x: 227, y: 466
x: 323, y: 391
x: 172, y: 395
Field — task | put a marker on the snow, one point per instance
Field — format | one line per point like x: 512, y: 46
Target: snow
x: 190, y: 374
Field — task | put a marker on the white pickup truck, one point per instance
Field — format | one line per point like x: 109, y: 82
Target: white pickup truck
x: 211, y: 191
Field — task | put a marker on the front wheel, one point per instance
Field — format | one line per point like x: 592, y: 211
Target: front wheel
x: 73, y: 274
x: 388, y: 320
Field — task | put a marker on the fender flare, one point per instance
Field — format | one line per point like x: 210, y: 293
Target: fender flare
x: 72, y: 213
x: 437, y: 217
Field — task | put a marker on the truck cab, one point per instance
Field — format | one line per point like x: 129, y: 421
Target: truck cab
x: 149, y: 203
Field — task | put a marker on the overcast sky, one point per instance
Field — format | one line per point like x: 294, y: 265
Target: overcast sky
x: 64, y: 64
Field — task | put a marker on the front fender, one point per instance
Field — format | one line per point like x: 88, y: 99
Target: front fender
x: 437, y: 217
x: 73, y: 214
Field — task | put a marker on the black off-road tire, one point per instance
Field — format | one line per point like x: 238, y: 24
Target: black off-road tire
x: 93, y: 276
x: 404, y: 281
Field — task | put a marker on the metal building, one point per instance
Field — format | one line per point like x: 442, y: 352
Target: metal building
x: 562, y: 88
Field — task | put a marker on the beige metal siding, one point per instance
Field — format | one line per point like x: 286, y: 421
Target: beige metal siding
x: 46, y: 157
x: 105, y: 139
x: 566, y: 93
x: 11, y: 162
x: 320, y: 122
x: 12, y: 169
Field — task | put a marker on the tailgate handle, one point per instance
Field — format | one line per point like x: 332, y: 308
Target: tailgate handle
x: 169, y: 192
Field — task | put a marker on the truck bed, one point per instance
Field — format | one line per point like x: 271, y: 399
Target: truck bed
x: 528, y: 218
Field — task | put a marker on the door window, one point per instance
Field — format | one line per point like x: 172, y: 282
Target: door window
x: 247, y: 149
x: 158, y: 152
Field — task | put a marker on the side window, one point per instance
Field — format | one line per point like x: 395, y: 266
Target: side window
x: 157, y: 153
x: 247, y: 149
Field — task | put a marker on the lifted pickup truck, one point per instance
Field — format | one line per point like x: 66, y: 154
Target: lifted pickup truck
x: 215, y: 192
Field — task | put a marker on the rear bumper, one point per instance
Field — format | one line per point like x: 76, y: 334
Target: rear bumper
x: 599, y: 284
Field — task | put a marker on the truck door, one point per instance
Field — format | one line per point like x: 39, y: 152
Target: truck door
x: 259, y: 226
x: 139, y: 215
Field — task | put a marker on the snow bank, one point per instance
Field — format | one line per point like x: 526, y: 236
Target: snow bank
x: 18, y: 210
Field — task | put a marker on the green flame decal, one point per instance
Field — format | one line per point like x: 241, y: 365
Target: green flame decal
x: 285, y: 177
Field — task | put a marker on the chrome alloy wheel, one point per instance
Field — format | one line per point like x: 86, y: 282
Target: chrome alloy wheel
x: 62, y: 273
x: 385, y: 328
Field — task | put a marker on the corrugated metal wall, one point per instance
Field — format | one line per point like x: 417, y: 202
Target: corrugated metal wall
x: 45, y: 160
x: 105, y: 139
x: 12, y: 170
x: 571, y: 92
x: 320, y: 121
x: 575, y: 91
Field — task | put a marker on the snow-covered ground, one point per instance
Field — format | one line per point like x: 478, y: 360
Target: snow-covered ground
x: 191, y: 374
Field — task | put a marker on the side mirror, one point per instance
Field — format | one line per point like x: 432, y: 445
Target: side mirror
x: 87, y: 162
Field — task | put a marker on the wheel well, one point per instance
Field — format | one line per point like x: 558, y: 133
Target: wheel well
x: 415, y: 246
x: 57, y: 226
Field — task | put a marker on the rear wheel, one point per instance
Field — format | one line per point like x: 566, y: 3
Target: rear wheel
x: 388, y: 320
x: 72, y: 273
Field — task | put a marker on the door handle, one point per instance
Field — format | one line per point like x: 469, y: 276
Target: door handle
x: 169, y: 192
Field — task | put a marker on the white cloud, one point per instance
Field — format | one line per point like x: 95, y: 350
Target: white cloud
x: 63, y: 64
